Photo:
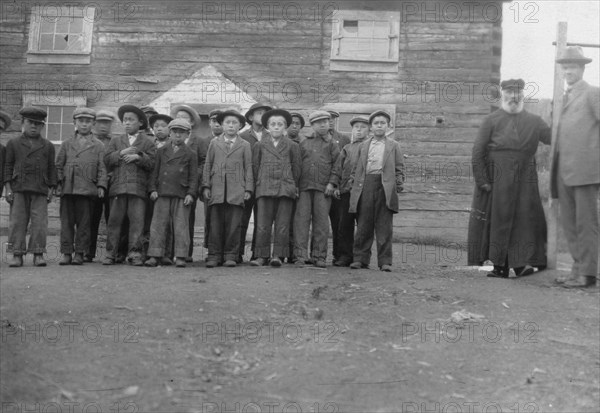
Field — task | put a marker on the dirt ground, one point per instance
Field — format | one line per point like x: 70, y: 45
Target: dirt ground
x: 124, y: 339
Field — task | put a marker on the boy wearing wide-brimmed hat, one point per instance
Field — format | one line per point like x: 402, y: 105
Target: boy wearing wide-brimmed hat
x: 276, y: 166
x: 81, y: 179
x: 130, y: 159
x: 227, y: 181
x: 29, y: 179
x: 172, y: 187
x: 159, y: 123
x: 318, y: 155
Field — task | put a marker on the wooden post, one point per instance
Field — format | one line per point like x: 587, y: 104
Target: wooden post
x: 557, y: 103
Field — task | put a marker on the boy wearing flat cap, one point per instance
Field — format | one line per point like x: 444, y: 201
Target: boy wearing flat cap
x: 344, y: 167
x: 276, y: 166
x: 5, y: 122
x: 30, y: 179
x: 130, y: 159
x: 376, y: 181
x: 293, y: 133
x: 318, y: 155
x: 81, y: 179
x: 227, y: 182
x: 252, y: 135
x: 172, y: 187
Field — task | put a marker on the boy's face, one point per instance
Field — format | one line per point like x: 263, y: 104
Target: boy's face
x: 276, y: 126
x: 84, y: 125
x: 321, y: 127
x: 161, y: 130
x: 257, y: 116
x: 379, y: 126
x: 178, y: 135
x: 31, y: 128
x: 215, y: 127
x: 182, y: 114
x: 231, y: 125
x: 131, y: 122
x: 332, y: 123
x: 295, y: 127
x: 360, y: 130
x: 103, y: 127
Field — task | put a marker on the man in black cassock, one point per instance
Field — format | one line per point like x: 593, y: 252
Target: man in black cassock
x: 507, y: 224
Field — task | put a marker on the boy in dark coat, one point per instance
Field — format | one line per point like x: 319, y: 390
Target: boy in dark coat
x: 81, y: 179
x: 227, y: 182
x: 30, y: 179
x: 173, y: 187
x: 376, y: 181
x: 276, y: 165
x: 130, y: 159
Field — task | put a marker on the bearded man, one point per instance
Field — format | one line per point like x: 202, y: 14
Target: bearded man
x: 507, y: 224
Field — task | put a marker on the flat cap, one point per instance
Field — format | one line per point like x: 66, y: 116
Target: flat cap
x: 257, y: 105
x: 380, y: 113
x: 34, y: 114
x: 276, y: 112
x: 186, y: 108
x: 133, y: 109
x: 231, y: 112
x: 299, y: 116
x: 359, y: 118
x: 573, y: 54
x: 159, y: 116
x: 214, y: 113
x: 512, y: 84
x: 83, y: 112
x: 104, y: 114
x: 5, y: 118
x: 148, y: 110
x: 318, y: 115
x: 180, y: 123
x: 333, y: 113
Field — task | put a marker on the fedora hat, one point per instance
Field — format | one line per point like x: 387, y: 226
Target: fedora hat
x: 258, y: 105
x: 188, y: 109
x: 276, y: 112
x: 159, y: 116
x: 573, y: 54
x: 231, y: 112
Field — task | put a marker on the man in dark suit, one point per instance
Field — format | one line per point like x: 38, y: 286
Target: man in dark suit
x: 576, y: 169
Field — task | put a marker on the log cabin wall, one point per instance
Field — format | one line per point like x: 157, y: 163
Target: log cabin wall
x: 437, y: 83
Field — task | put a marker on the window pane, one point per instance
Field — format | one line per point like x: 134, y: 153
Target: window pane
x: 75, y: 42
x: 67, y: 131
x: 61, y: 41
x: 76, y: 25
x: 54, y: 114
x: 47, y: 26
x: 62, y: 24
x: 67, y: 114
x: 46, y: 41
x: 350, y: 28
x: 53, y: 132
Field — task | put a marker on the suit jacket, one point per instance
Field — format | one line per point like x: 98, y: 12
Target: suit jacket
x: 344, y: 166
x: 2, y: 150
x: 29, y: 165
x: 81, y: 169
x: 228, y: 174
x: 132, y: 178
x: 577, y: 148
x: 199, y: 147
x: 392, y: 177
x: 319, y: 156
x: 175, y: 173
x: 342, y: 139
x: 276, y: 169
x: 250, y: 136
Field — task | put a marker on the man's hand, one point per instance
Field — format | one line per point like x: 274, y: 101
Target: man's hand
x: 329, y: 190
x: 336, y: 194
x: 153, y: 196
x: 131, y: 158
x: 10, y: 197
x: 206, y: 193
x: 486, y: 187
x: 189, y: 200
x: 247, y: 195
x: 100, y: 192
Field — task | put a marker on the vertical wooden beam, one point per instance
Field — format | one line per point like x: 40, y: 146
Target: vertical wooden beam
x: 557, y: 103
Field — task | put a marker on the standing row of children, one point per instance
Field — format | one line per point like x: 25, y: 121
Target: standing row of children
x: 288, y: 183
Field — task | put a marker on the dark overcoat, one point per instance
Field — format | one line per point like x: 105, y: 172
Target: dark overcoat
x: 276, y: 169
x: 175, y: 174
x: 29, y: 165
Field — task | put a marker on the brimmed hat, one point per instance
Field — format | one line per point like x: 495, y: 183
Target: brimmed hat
x: 231, y: 112
x: 299, y: 116
x: 573, y: 54
x: 254, y: 107
x: 159, y: 116
x: 333, y: 113
x: 133, y: 109
x: 104, y: 114
x: 188, y: 109
x: 318, y: 115
x: 380, y: 113
x: 213, y: 113
x: 148, y: 110
x: 512, y: 84
x: 34, y: 114
x: 359, y: 118
x: 83, y: 112
x: 276, y: 112
x: 6, y: 118
x: 180, y: 124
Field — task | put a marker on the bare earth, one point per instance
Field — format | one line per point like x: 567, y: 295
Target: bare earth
x: 124, y: 339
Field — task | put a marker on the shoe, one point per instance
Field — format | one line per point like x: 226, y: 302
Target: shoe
x: 275, y: 262
x: 108, y: 261
x: 38, y: 260
x: 386, y: 268
x: 77, y: 259
x: 88, y: 258
x: 229, y: 263
x: 357, y: 265
x: 291, y: 260
x: 120, y: 259
x: 524, y: 271
x: 498, y: 272
x: 239, y: 259
x: 189, y: 259
x: 585, y: 282
x: 320, y: 264
x: 258, y: 262
x: 151, y: 262
x: 16, y: 261
x: 166, y: 261
x: 211, y: 264
x: 137, y: 262
x: 341, y: 263
x: 180, y: 262
x: 300, y: 262
x: 67, y: 259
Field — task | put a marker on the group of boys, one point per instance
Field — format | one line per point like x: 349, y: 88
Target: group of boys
x: 146, y: 183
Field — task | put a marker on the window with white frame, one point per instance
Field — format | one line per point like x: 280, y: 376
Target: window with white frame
x: 60, y: 34
x: 59, y: 123
x: 365, y: 41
